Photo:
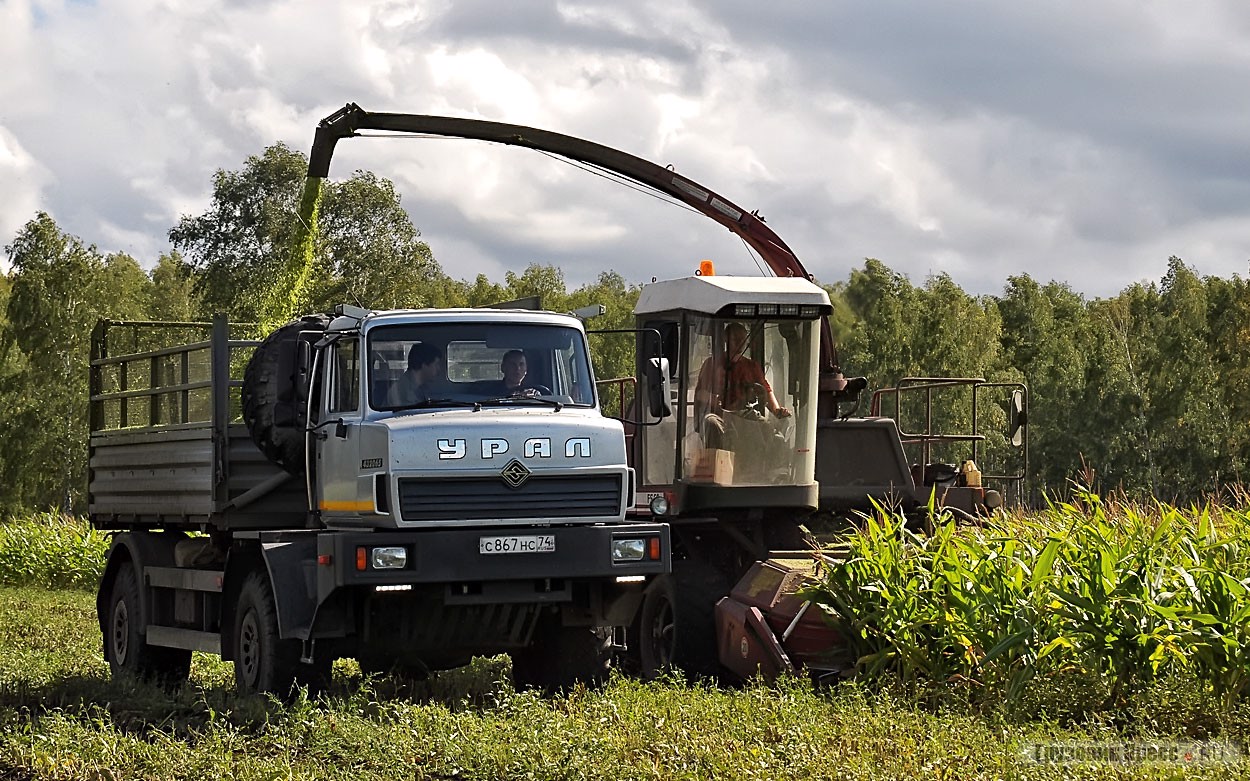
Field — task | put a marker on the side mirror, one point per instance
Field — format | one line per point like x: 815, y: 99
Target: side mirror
x: 659, y: 391
x: 1017, y: 417
x: 302, y: 376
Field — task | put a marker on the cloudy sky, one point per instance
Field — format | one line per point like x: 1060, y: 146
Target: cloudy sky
x: 1079, y: 141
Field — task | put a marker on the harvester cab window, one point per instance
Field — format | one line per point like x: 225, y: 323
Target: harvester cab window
x: 748, y: 416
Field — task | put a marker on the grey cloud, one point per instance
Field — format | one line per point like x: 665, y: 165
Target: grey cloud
x: 1071, y: 141
x: 539, y: 22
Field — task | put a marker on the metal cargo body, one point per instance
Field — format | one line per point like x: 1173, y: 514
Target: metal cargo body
x: 167, y: 447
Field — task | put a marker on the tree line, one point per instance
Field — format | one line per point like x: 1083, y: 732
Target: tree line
x: 1147, y: 390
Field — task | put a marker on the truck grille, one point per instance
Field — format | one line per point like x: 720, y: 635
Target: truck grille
x: 487, y: 498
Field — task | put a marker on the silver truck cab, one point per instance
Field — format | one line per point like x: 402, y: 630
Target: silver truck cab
x: 450, y: 443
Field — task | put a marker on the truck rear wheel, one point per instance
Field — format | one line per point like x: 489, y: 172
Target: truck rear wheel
x: 263, y: 662
x: 677, y: 628
x: 125, y: 637
x: 562, y: 656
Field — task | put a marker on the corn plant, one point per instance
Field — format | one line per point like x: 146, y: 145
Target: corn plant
x: 1114, y: 596
x: 53, y: 550
x: 951, y: 606
x: 1216, y: 577
x: 1122, y: 594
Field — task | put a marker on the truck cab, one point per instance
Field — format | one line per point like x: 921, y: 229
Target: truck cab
x: 463, y: 448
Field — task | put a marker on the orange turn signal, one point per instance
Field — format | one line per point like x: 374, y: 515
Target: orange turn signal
x: 362, y: 559
x: 653, y: 549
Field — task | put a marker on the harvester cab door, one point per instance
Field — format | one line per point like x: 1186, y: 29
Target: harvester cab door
x: 337, y: 434
x: 746, y: 392
x: 658, y: 446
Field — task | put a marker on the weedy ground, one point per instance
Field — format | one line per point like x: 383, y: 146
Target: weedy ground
x: 61, y: 716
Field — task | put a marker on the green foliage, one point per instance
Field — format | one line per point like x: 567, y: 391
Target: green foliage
x: 51, y: 550
x: 1046, y: 339
x: 373, y: 254
x: 274, y: 244
x: 881, y: 344
x: 60, y: 287
x: 173, y: 297
x: 1120, y: 597
x: 238, y: 246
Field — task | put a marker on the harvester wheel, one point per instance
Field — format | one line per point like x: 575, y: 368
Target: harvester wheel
x: 275, y: 394
x: 677, y: 621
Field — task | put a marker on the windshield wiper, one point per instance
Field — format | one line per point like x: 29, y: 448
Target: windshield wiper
x: 427, y: 403
x: 504, y: 400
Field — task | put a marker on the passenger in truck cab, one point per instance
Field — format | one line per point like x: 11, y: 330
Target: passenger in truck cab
x: 418, y: 382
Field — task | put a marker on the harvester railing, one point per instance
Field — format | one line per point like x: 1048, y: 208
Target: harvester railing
x: 911, y: 403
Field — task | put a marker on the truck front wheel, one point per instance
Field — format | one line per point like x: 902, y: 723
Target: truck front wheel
x: 125, y: 637
x: 263, y: 662
x: 562, y: 656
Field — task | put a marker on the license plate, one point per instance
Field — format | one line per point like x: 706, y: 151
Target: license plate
x: 530, y: 543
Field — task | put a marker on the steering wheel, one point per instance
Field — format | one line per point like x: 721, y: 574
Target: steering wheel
x: 532, y: 390
x: 753, y: 402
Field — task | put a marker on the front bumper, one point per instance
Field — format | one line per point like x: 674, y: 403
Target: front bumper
x: 453, y: 555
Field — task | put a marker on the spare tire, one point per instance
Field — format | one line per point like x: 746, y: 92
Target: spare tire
x: 275, y: 392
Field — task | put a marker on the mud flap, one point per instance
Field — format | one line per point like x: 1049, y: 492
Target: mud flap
x: 291, y: 565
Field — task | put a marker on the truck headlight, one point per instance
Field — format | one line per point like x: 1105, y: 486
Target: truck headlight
x: 389, y: 557
x: 629, y: 549
x: 625, y: 549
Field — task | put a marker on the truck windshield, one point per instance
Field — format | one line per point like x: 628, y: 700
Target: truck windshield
x: 431, y: 365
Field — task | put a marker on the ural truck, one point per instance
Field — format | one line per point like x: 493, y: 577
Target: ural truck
x: 285, y: 502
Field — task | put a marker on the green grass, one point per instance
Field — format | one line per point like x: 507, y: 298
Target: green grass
x: 62, y: 717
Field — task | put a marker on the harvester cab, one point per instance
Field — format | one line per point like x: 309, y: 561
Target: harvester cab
x: 742, y: 354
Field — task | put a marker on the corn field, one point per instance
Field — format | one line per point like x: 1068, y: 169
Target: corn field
x: 1113, y: 596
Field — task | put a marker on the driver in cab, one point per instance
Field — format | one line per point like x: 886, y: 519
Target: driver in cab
x: 730, y: 381
x: 515, y: 370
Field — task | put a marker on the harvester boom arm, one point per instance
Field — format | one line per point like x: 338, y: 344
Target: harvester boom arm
x: 352, y: 119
